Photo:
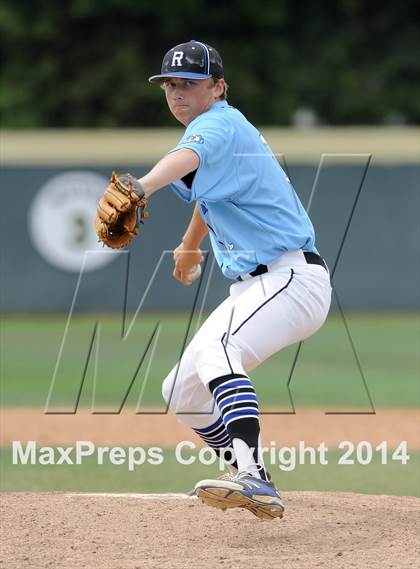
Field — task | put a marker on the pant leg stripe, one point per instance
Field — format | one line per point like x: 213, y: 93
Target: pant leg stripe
x: 266, y: 302
x: 226, y: 354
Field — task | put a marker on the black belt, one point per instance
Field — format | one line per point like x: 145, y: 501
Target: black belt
x: 311, y: 259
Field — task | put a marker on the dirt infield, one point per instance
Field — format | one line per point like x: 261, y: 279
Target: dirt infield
x: 320, y: 530
x: 309, y: 425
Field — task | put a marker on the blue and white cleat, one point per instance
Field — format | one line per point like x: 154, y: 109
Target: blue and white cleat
x: 243, y: 491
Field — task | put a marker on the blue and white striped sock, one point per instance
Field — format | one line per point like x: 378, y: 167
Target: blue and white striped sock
x: 237, y: 402
x: 235, y: 397
x: 217, y: 437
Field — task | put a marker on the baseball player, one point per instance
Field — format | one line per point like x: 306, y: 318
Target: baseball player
x: 263, y: 241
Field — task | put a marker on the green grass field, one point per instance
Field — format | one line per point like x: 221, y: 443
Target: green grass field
x: 392, y: 478
x: 326, y: 375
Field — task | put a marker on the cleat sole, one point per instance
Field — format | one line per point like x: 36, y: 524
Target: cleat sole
x: 223, y: 499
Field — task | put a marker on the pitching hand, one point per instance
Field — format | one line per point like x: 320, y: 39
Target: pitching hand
x: 185, y: 260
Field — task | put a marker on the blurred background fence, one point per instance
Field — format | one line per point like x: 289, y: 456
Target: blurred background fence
x: 75, y: 104
x: 52, y: 180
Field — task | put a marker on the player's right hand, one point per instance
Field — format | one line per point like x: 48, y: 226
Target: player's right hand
x: 185, y: 260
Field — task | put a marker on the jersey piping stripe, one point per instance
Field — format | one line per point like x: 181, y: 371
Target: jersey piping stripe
x: 266, y: 302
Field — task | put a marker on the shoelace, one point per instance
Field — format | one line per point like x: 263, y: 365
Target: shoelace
x: 245, y: 473
x: 227, y: 476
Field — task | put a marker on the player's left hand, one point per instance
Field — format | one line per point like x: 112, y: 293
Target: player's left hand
x: 120, y: 211
x: 185, y: 261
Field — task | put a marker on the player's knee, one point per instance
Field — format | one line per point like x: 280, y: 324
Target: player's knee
x: 172, y: 389
x: 214, y: 355
x: 202, y: 355
x: 206, y: 360
x: 167, y: 388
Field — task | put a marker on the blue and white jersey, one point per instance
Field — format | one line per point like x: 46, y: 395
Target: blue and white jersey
x: 245, y: 198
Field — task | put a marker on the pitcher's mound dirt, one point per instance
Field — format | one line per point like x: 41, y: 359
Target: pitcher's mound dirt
x: 126, y: 532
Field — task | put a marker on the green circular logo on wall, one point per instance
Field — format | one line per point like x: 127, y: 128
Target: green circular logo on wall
x: 61, y: 221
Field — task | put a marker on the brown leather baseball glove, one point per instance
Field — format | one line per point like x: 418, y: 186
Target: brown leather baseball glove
x: 120, y: 211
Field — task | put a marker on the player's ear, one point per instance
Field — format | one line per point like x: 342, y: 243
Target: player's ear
x: 219, y: 87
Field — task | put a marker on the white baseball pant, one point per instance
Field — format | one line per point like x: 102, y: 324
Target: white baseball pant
x: 262, y: 315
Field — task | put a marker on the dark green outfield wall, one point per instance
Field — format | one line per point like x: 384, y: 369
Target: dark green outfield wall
x: 378, y: 268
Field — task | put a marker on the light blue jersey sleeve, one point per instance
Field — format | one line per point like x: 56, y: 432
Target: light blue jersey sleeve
x: 213, y: 141
x: 245, y: 198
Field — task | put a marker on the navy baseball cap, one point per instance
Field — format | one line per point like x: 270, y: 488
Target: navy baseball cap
x: 191, y: 60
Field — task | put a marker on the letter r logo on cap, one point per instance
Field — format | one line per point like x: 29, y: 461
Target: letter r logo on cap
x: 177, y: 58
